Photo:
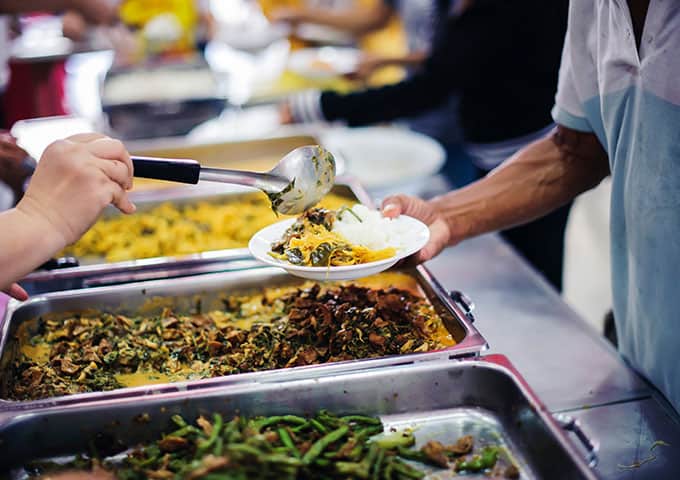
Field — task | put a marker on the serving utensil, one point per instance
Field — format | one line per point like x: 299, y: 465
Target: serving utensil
x: 298, y: 182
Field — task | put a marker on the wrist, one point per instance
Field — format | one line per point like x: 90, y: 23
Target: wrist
x: 456, y: 222
x: 40, y: 226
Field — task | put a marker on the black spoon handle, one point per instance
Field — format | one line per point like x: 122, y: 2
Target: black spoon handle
x: 172, y: 169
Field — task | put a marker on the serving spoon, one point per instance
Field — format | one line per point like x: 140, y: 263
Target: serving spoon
x: 298, y: 182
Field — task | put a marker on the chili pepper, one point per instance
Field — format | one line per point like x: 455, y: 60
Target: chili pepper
x: 397, y: 439
x: 179, y: 421
x: 485, y: 460
x: 324, y: 442
x: 361, y: 419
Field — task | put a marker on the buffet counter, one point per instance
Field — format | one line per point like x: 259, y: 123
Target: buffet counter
x: 569, y: 365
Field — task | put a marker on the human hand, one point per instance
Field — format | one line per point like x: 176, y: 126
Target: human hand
x: 287, y: 15
x: 285, y: 114
x: 73, y: 25
x: 12, y: 171
x: 440, y: 233
x: 98, y: 12
x: 75, y: 180
x: 367, y: 66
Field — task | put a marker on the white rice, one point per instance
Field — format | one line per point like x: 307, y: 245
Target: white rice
x: 373, y: 231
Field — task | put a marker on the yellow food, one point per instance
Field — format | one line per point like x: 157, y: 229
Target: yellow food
x: 169, y: 230
x: 341, y: 252
x: 311, y: 242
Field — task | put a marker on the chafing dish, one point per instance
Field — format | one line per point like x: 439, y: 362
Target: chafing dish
x: 145, y: 102
x: 182, y: 294
x: 97, y: 272
x: 443, y: 401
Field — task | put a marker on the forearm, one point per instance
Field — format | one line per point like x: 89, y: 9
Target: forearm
x: 19, y: 6
x: 357, y: 22
x: 409, y: 97
x: 26, y: 244
x: 542, y: 177
x: 414, y: 59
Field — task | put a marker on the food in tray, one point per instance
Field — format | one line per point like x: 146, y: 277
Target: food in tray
x: 347, y: 236
x: 274, y: 328
x: 291, y: 446
x: 170, y: 229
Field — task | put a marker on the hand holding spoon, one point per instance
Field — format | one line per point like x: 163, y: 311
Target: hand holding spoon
x: 298, y: 182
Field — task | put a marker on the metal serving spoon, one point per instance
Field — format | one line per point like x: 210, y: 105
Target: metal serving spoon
x: 298, y: 182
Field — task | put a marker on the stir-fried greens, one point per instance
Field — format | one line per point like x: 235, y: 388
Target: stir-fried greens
x: 290, y: 447
x: 312, y: 242
x: 277, y: 328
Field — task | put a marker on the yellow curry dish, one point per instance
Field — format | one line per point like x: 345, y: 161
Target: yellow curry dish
x: 333, y: 238
x: 271, y: 328
x: 170, y: 229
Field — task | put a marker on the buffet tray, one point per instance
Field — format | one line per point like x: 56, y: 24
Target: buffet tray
x: 97, y: 272
x: 182, y: 294
x: 442, y: 401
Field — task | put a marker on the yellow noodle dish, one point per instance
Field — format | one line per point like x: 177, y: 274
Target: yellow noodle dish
x: 332, y: 238
x: 169, y: 229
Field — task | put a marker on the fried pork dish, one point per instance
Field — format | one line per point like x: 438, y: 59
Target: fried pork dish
x: 313, y: 241
x: 276, y: 328
x: 169, y: 229
x: 292, y: 447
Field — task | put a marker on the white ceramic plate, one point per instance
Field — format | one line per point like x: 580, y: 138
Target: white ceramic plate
x: 324, y: 62
x: 385, y: 156
x: 260, y: 246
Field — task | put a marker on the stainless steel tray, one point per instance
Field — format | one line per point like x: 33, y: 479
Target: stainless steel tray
x: 182, y: 293
x: 99, y: 272
x: 443, y: 400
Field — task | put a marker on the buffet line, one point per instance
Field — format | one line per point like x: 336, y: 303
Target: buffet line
x: 164, y: 350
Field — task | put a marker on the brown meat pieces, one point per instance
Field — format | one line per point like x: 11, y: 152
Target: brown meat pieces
x: 173, y: 444
x: 435, y: 452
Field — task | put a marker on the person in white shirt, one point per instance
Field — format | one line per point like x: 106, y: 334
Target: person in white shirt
x: 617, y: 112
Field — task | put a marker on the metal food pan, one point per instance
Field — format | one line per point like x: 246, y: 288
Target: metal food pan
x: 442, y: 400
x: 182, y: 293
x: 97, y: 272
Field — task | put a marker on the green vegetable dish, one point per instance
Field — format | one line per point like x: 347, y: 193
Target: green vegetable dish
x: 324, y: 446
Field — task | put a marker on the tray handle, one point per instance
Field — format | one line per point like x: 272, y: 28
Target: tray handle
x: 570, y: 424
x: 464, y: 302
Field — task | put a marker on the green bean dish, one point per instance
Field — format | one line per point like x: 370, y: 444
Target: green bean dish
x: 323, y: 446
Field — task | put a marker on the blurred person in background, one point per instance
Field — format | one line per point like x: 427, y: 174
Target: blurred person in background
x: 617, y: 111
x: 74, y: 181
x: 420, y: 19
x: 502, y: 57
x: 13, y: 168
x: 169, y: 27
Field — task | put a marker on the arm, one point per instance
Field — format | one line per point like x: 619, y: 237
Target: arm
x: 95, y: 11
x: 355, y: 21
x: 370, y: 63
x: 451, y: 66
x: 74, y: 181
x: 538, y: 179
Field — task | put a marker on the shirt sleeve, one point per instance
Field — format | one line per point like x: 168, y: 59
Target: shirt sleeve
x: 574, y: 72
x: 450, y: 67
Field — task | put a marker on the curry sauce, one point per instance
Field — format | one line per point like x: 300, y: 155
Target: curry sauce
x: 275, y: 327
